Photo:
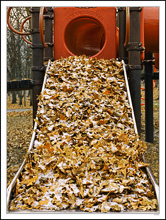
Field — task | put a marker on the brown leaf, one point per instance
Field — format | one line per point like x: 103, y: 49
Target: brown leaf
x: 62, y: 117
x: 123, y: 138
x: 107, y: 92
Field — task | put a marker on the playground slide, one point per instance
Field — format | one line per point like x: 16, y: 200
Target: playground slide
x: 11, y: 190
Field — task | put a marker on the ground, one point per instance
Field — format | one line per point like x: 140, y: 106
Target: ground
x: 19, y: 133
x: 152, y: 153
x: 20, y: 128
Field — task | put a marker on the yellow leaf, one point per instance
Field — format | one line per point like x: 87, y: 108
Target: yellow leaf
x: 29, y: 201
x: 29, y: 182
x: 82, y: 191
x: 45, y: 202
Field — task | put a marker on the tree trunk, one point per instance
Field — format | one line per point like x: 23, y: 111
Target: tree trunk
x: 30, y: 97
x: 28, y: 93
x: 20, y: 98
x: 14, y: 97
x: 9, y: 96
x: 24, y: 97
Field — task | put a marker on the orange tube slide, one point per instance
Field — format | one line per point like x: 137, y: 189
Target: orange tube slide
x: 88, y: 36
x: 151, y: 29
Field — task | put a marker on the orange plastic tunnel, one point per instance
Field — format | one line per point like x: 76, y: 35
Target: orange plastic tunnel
x: 151, y: 29
x: 89, y: 31
x: 93, y: 31
x: 85, y: 36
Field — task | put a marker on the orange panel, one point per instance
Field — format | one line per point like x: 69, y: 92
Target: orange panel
x: 156, y: 56
x: 117, y: 41
x: 142, y: 33
x: 151, y: 29
x: 89, y: 31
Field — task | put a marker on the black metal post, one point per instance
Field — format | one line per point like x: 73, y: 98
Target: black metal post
x: 37, y: 58
x: 48, y: 52
x: 149, y: 97
x: 133, y: 48
x: 122, y: 30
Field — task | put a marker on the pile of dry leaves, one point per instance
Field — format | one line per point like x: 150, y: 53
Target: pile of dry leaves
x: 86, y: 154
x: 19, y: 133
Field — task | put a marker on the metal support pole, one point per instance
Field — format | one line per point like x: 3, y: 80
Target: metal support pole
x: 122, y: 30
x: 48, y: 51
x: 149, y: 98
x: 37, y: 58
x: 133, y: 48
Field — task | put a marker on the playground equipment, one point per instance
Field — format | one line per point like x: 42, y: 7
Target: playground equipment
x: 93, y: 31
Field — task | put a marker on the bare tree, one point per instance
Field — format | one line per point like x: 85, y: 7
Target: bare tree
x: 19, y: 55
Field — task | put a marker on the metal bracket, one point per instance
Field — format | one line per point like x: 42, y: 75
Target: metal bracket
x: 148, y: 61
x: 135, y: 9
x: 49, y: 16
x: 35, y: 30
x: 36, y: 46
x: 34, y: 9
x: 49, y: 44
x: 134, y: 46
x: 134, y: 67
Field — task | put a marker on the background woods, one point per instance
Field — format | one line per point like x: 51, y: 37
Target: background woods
x: 19, y: 54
